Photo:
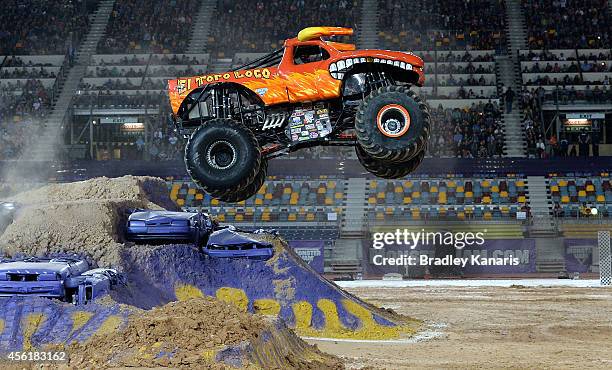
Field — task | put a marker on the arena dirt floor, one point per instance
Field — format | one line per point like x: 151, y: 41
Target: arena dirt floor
x: 491, y: 327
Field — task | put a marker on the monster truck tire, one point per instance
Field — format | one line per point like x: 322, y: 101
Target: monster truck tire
x: 387, y: 169
x: 222, y: 157
x: 251, y: 189
x: 392, y: 124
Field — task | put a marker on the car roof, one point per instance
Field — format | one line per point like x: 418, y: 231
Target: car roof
x: 39, y: 266
x: 152, y: 214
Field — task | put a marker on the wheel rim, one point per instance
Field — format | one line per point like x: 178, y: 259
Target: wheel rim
x: 221, y: 155
x: 393, y: 120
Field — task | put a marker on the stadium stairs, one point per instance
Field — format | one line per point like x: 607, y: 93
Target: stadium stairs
x: 201, y: 28
x: 346, y: 253
x: 508, y: 73
x: 550, y: 258
x: 368, y: 25
x: 48, y: 141
x: 539, y: 201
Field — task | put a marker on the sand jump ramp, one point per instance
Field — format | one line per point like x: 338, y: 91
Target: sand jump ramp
x: 86, y: 218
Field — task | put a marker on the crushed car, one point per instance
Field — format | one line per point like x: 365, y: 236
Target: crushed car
x: 66, y: 278
x: 230, y: 242
x: 158, y: 225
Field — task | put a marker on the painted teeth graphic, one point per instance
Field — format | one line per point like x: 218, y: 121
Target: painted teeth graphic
x: 337, y: 69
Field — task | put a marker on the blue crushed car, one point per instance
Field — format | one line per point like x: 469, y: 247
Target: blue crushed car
x: 67, y: 279
x: 232, y: 243
x: 166, y: 225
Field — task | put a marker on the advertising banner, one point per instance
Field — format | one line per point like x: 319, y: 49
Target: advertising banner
x: 579, y: 254
x: 311, y: 251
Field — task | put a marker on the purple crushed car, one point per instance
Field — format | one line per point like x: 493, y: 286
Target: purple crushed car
x: 166, y: 225
x: 67, y: 279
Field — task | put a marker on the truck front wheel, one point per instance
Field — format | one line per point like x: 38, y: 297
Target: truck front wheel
x: 222, y: 157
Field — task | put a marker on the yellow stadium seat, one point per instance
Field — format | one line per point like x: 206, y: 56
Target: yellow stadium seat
x: 416, y: 214
x: 310, y: 216
x: 268, y: 196
x: 331, y: 184
x: 221, y: 217
x: 562, y: 183
x: 398, y: 189
x: 191, y: 191
x: 180, y: 202
x: 601, y: 198
x: 258, y: 201
x: 265, y: 216
x: 292, y: 217
x: 407, y: 200
x: 338, y: 195
x: 554, y: 188
x: 451, y: 184
x: 321, y: 190
x: 565, y: 199
x: 520, y: 183
x: 486, y: 199
x: 381, y: 195
x: 407, y: 184
x: 329, y: 201
x: 214, y: 202
x: 460, y: 189
x: 495, y: 189
x: 373, y: 184
x: 485, y: 183
x: 503, y: 194
x: 239, y: 217
x: 433, y: 189
x: 469, y: 194
x: 521, y: 199
x: 461, y: 215
x: 371, y: 200
x: 380, y: 216
x: 416, y: 194
x: 582, y: 193
x: 488, y: 215
x: 287, y: 190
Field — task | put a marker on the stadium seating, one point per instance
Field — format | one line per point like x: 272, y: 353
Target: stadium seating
x: 277, y: 201
x: 571, y: 196
x: 454, y: 199
x: 138, y: 26
x: 567, y: 24
x: 442, y: 24
x: 43, y: 27
x: 27, y: 87
x: 260, y: 26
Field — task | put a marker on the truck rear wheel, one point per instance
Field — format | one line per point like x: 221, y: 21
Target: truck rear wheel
x: 392, y: 124
x: 222, y: 157
x: 386, y: 169
x: 249, y: 190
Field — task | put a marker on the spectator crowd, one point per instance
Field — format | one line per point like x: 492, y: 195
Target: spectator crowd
x: 567, y: 24
x: 455, y: 24
x: 261, y: 26
x: 43, y: 27
x: 149, y: 26
x: 469, y: 132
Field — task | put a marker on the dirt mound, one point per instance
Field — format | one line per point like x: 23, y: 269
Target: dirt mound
x: 83, y: 217
x: 196, y: 333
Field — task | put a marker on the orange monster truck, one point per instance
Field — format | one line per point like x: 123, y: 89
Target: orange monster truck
x: 311, y: 92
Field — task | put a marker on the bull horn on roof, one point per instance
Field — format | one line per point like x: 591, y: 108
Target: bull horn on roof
x: 311, y: 33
